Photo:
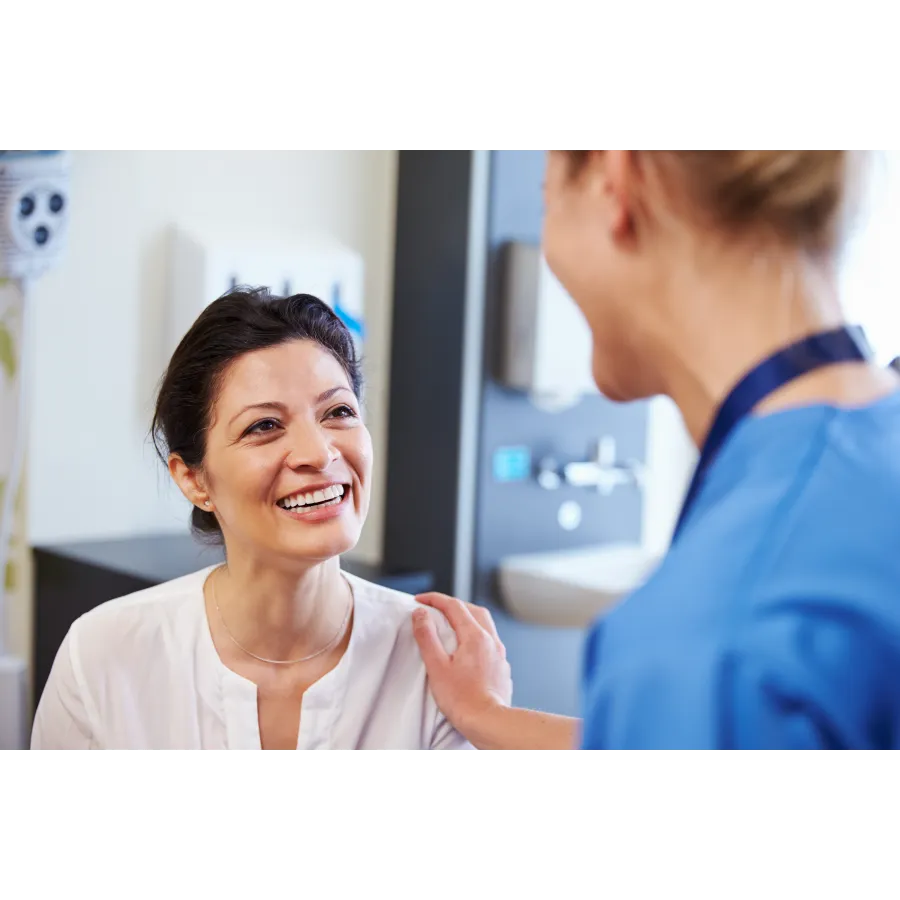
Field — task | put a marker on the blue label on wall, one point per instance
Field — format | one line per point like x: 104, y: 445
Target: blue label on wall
x: 355, y: 325
x: 512, y: 464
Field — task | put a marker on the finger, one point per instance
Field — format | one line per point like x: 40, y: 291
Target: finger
x: 455, y: 611
x: 484, y: 619
x: 429, y: 598
x: 480, y: 614
x: 433, y: 653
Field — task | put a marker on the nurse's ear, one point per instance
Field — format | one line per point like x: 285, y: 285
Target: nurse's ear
x: 191, y: 482
x: 649, y: 196
x: 613, y: 176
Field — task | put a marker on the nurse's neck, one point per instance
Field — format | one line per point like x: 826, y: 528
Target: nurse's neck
x: 725, y: 319
x: 281, y: 613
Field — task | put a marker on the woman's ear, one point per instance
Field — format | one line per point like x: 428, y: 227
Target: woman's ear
x: 190, y: 482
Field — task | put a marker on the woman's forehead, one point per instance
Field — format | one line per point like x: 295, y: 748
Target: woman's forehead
x: 296, y: 371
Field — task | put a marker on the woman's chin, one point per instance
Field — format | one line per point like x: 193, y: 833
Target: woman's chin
x: 321, y: 547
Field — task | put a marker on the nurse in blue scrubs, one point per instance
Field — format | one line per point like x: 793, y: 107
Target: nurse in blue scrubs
x: 774, y: 620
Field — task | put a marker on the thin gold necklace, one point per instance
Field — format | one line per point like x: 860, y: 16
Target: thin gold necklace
x: 280, y: 662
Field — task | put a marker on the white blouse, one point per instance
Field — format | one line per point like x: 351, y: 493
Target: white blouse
x: 142, y: 672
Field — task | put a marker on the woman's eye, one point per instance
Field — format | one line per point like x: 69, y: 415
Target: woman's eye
x: 342, y: 412
x: 263, y: 427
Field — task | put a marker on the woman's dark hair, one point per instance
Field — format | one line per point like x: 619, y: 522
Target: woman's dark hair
x: 239, y: 322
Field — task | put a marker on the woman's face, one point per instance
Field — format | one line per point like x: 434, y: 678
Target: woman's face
x: 588, y: 246
x: 288, y: 458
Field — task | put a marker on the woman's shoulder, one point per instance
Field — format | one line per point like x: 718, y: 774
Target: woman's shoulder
x: 391, y: 600
x: 140, y: 612
x: 393, y: 610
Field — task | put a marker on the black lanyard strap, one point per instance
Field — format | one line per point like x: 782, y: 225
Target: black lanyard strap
x: 827, y: 348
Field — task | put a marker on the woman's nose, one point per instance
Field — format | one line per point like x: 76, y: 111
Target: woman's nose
x: 311, y: 448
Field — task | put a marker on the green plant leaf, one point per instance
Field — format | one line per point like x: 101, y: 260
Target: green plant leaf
x: 7, y: 353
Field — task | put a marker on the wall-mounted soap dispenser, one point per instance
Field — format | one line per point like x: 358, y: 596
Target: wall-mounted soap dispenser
x: 546, y: 347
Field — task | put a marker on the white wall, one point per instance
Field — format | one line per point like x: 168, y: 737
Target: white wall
x: 100, y: 318
x: 671, y: 458
x: 870, y: 274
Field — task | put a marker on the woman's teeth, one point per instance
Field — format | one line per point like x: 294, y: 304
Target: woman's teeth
x: 329, y: 496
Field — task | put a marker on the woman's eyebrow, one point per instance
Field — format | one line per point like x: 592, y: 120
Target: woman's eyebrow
x: 327, y: 395
x: 269, y: 405
x: 273, y: 404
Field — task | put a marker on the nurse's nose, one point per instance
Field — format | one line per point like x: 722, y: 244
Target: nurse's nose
x: 312, y: 448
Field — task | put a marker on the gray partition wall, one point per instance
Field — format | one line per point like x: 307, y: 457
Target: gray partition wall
x: 446, y: 512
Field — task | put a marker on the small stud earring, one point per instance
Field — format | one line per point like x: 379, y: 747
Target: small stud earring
x: 206, y: 502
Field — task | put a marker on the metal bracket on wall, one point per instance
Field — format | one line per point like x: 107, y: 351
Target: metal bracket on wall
x: 601, y: 471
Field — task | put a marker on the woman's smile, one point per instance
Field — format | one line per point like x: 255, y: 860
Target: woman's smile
x: 318, y: 503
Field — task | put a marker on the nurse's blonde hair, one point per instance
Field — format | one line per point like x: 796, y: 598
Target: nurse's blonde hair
x: 801, y: 197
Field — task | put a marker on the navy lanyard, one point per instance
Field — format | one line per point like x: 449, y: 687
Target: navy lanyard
x: 824, y: 349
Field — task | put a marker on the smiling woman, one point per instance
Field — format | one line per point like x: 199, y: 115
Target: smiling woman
x: 259, y: 421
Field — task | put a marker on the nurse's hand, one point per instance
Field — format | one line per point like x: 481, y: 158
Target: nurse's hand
x: 475, y: 680
x: 473, y: 685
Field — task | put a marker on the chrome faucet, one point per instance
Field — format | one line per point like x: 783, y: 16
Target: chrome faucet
x: 602, y: 471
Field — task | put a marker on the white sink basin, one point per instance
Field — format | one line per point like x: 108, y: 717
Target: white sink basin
x: 571, y: 588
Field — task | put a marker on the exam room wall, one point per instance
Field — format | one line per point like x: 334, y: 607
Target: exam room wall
x: 99, y: 317
x: 99, y: 323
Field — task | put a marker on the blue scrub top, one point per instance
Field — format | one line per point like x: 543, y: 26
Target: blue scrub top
x: 774, y: 621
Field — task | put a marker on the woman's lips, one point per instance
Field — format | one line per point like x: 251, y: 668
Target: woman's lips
x: 322, y: 512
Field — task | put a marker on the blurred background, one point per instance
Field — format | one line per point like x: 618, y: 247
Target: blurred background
x: 501, y: 475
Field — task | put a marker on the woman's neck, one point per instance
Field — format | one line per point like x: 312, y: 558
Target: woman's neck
x: 281, y: 613
x: 728, y: 325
